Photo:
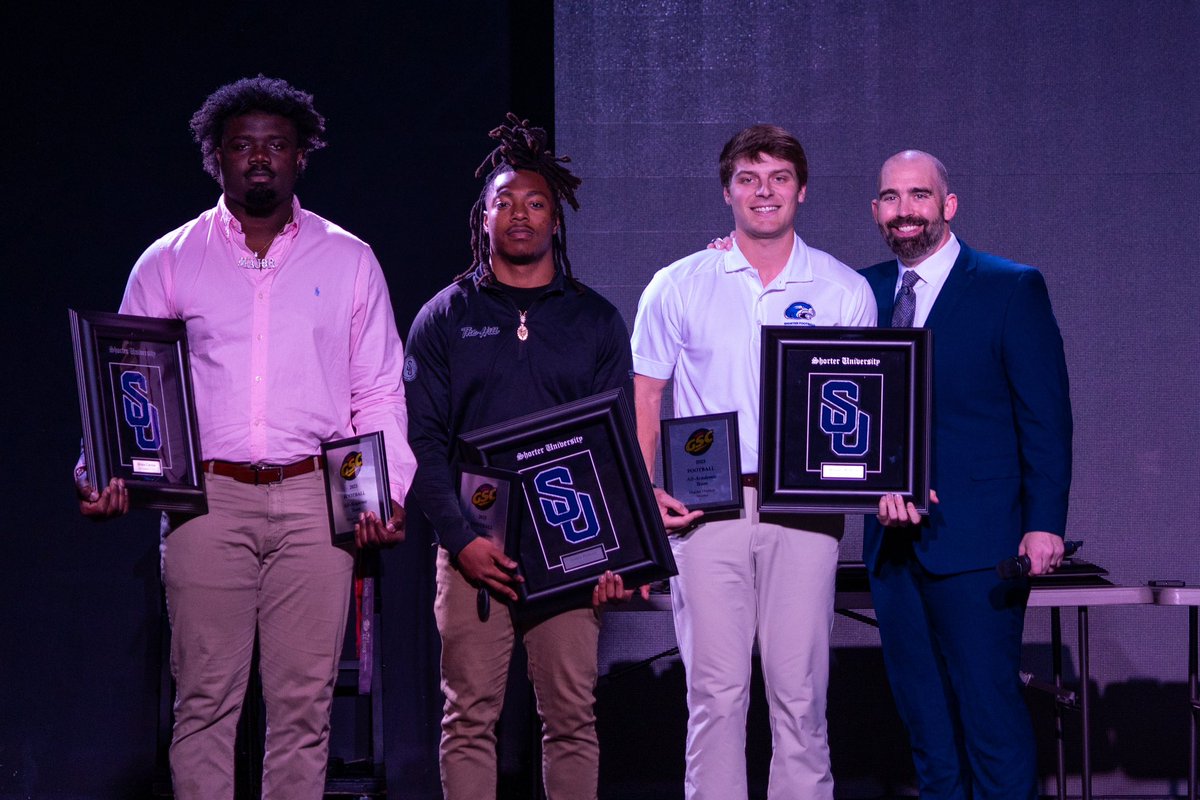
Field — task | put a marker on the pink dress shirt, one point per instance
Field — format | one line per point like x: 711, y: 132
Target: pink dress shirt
x: 285, y: 357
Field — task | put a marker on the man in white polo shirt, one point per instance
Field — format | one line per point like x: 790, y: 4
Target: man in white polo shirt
x: 745, y: 579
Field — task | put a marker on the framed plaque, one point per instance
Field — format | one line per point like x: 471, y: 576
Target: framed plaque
x: 701, y: 458
x: 845, y: 418
x: 139, y: 419
x: 587, y: 504
x: 356, y: 480
x: 491, y: 501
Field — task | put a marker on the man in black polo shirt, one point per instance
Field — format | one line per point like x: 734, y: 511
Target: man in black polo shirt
x: 514, y: 334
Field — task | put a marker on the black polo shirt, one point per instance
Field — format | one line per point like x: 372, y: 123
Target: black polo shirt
x: 466, y: 368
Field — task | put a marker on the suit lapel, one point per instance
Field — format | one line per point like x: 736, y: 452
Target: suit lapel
x: 885, y: 293
x: 960, y: 277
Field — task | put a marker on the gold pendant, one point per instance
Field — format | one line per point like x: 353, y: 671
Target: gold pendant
x: 522, y: 331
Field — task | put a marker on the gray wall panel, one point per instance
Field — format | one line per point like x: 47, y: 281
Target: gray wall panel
x: 1070, y: 133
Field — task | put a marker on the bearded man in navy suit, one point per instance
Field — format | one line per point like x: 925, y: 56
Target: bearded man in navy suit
x: 1001, y: 467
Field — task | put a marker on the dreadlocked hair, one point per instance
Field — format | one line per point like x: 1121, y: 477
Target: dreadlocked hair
x: 524, y: 147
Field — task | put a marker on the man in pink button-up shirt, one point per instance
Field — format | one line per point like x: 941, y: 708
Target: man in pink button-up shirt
x: 293, y: 342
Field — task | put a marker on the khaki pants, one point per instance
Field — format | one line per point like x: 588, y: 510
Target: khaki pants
x: 260, y: 559
x: 744, y: 581
x: 475, y: 658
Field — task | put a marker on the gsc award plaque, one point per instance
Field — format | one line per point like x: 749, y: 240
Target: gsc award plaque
x: 845, y: 418
x: 700, y: 461
x: 135, y: 397
x: 486, y: 497
x: 356, y: 480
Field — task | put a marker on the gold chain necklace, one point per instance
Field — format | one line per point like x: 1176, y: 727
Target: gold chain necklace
x: 261, y: 254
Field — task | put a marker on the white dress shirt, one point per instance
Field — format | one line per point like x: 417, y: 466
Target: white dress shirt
x: 932, y: 274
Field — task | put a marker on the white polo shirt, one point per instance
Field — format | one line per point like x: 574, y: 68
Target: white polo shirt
x: 699, y: 321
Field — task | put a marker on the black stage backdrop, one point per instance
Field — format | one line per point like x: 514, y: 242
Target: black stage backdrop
x: 99, y: 163
x: 1070, y: 133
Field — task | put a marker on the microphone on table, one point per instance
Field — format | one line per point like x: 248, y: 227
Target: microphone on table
x: 1019, y: 566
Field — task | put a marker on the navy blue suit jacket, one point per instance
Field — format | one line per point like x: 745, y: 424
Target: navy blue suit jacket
x: 1001, y: 462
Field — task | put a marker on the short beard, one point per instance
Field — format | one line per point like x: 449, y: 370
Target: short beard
x: 261, y: 201
x: 524, y: 259
x: 916, y: 247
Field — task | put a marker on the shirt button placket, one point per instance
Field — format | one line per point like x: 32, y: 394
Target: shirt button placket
x: 258, y: 370
x: 760, y: 313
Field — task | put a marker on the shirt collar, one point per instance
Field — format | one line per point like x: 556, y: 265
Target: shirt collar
x: 934, y: 269
x: 483, y: 277
x: 796, y: 270
x: 231, y: 225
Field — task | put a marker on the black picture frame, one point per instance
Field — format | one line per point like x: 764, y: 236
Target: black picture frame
x: 587, y: 504
x: 846, y: 417
x: 138, y: 408
x: 356, y: 480
x: 702, y: 461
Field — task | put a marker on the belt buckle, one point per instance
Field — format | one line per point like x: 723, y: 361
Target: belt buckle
x: 260, y: 471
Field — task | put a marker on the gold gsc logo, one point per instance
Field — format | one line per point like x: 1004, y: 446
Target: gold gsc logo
x: 699, y: 442
x: 484, y: 497
x: 351, y: 464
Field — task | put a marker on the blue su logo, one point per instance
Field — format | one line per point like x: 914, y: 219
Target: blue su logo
x: 842, y: 420
x: 140, y: 414
x: 570, y: 511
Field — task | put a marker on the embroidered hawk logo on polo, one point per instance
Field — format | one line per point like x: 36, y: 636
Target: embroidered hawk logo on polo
x: 799, y: 313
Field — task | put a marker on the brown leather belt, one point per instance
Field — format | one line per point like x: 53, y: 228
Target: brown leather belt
x: 263, y: 474
x: 751, y: 480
